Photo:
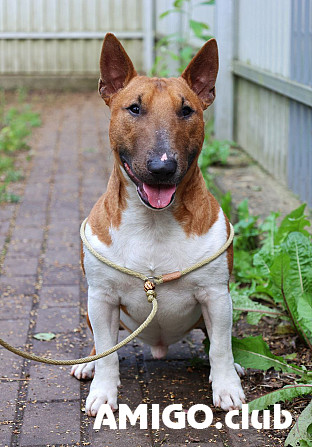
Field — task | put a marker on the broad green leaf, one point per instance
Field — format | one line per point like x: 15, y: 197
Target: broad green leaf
x: 243, y: 267
x: 262, y: 260
x: 301, y: 433
x: 253, y: 352
x: 198, y: 27
x: 294, y: 221
x: 291, y: 274
x: 269, y: 229
x: 299, y: 249
x: 281, y: 395
x: 45, y: 336
x: 243, y: 303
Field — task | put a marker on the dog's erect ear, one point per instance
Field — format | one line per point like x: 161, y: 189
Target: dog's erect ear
x: 116, y: 68
x: 201, y: 72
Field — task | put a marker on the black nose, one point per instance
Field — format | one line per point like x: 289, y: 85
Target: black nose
x: 162, y: 169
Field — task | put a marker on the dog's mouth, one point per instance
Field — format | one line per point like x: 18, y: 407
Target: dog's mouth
x: 154, y: 196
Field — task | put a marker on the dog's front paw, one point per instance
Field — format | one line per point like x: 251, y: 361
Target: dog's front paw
x: 83, y: 371
x: 101, y: 393
x: 227, y: 392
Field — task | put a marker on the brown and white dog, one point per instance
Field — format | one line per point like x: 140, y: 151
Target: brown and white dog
x: 157, y: 217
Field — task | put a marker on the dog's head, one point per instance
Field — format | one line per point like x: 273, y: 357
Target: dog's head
x: 156, y: 127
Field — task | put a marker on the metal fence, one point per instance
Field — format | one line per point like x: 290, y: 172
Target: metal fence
x: 46, y: 38
x: 267, y: 86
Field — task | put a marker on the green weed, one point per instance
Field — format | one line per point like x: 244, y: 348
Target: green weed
x: 185, y: 51
x: 15, y: 126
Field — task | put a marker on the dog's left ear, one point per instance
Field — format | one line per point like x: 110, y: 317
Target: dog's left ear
x: 115, y: 66
x: 201, y: 72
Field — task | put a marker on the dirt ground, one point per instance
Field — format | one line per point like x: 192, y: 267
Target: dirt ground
x: 43, y: 290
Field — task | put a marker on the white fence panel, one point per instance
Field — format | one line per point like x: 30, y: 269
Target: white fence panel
x: 62, y: 37
x: 263, y: 29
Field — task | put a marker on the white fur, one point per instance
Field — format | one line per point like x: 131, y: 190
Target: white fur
x: 153, y: 243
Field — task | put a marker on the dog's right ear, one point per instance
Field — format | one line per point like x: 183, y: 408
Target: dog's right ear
x: 116, y: 68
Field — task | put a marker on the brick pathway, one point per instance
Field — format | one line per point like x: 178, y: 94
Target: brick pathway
x: 42, y: 290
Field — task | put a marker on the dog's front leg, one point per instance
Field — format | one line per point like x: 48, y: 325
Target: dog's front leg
x: 216, y: 306
x: 104, y: 318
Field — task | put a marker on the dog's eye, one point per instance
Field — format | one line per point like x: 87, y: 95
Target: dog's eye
x: 134, y: 109
x: 187, y: 111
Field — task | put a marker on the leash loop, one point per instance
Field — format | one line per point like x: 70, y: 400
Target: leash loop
x: 149, y: 288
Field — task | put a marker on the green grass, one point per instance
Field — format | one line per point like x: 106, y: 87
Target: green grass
x: 15, y: 127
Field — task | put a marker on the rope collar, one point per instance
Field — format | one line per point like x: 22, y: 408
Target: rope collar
x: 155, y: 279
x: 149, y: 288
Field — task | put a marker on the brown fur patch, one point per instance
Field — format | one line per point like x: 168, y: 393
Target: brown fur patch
x: 89, y: 323
x: 230, y: 253
x: 108, y: 209
x: 124, y: 309
x: 195, y: 208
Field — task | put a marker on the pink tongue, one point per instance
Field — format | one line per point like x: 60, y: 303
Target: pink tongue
x: 159, y: 196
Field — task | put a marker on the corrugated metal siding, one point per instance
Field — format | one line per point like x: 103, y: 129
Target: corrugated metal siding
x: 70, y: 15
x: 300, y: 124
x: 65, y: 56
x: 261, y: 126
x: 263, y: 34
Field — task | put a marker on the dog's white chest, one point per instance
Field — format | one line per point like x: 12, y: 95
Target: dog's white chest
x: 153, y: 243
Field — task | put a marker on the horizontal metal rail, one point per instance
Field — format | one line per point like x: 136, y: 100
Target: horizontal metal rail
x: 286, y: 87
x: 69, y: 35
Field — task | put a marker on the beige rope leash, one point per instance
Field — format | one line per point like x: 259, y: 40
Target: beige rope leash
x: 149, y: 287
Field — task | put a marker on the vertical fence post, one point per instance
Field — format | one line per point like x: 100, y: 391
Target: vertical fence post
x: 148, y: 31
x: 224, y: 32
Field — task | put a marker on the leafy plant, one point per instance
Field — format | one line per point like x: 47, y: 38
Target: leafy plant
x: 278, y: 270
x: 253, y: 352
x: 286, y: 393
x: 273, y: 270
x: 301, y: 433
x: 185, y: 51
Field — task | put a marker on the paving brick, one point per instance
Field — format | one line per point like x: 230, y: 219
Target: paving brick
x: 57, y: 319
x: 68, y: 233
x: 51, y: 423
x: 15, y: 333
x: 58, y: 256
x: 14, y: 306
x: 30, y: 235
x: 24, y: 247
x: 61, y: 276
x: 28, y: 220
x: 61, y: 296
x: 4, y: 227
x: 5, y: 435
x: 17, y: 285
x: 6, y: 212
x: 8, y: 398
x: 64, y: 346
x: 65, y: 248
x: 133, y: 436
x: 52, y: 382
x: 19, y: 265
